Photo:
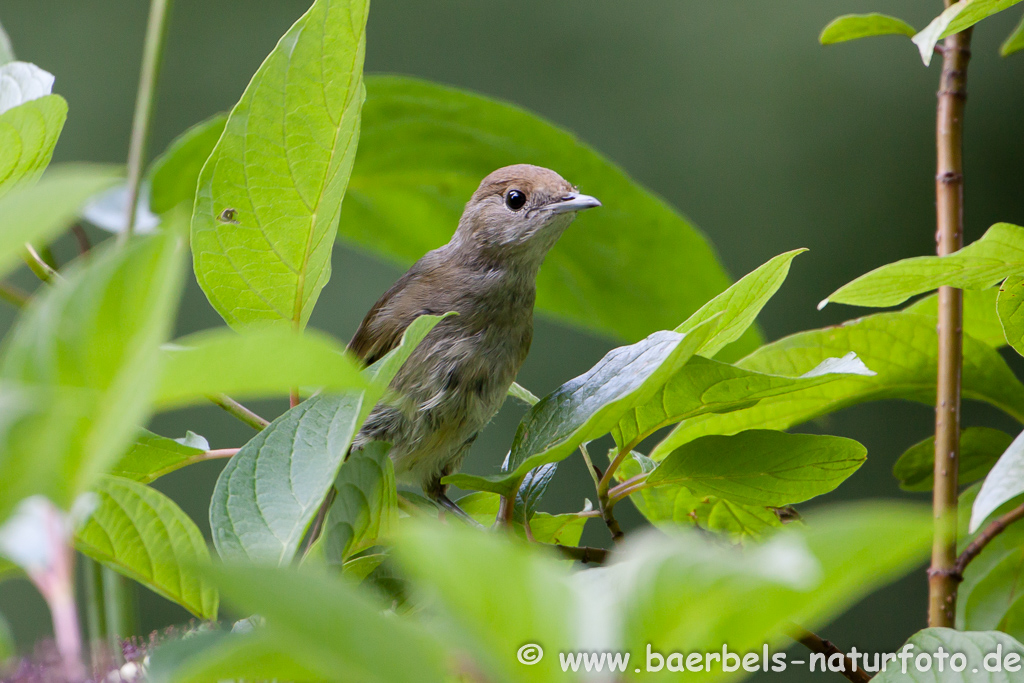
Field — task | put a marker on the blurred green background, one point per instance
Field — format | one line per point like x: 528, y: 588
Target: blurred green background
x: 729, y: 109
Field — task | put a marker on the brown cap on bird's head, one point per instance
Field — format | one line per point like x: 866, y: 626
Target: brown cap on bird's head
x: 520, y: 209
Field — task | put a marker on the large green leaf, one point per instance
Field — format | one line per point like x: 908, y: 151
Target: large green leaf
x: 40, y: 212
x: 691, y: 594
x: 152, y: 456
x: 89, y: 345
x: 329, y: 627
x: 854, y: 26
x: 980, y: 447
x: 269, y: 197
x: 954, y: 19
x: 1010, y: 307
x: 980, y: 318
x: 141, y: 533
x: 982, y: 651
x: 269, y: 492
x: 979, y: 265
x: 1014, y: 42
x: 590, y: 405
x: 900, y: 347
x: 257, y: 363
x: 1005, y: 481
x: 736, y: 308
x: 761, y: 467
x: 365, y: 507
x: 28, y: 134
x: 632, y: 267
x: 707, y: 386
x: 216, y: 656
x: 173, y: 175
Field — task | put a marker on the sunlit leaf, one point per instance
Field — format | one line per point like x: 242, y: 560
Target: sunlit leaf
x: 1010, y: 308
x: 1014, y: 42
x: 854, y: 26
x: 980, y: 448
x: 564, y: 529
x: 1005, y: 481
x: 980, y: 318
x: 629, y: 268
x: 143, y: 534
x: 270, y: 194
x: 957, y: 17
x: 152, y: 456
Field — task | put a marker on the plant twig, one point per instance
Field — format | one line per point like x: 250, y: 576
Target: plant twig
x: 14, y: 295
x: 239, y: 411
x: 627, y: 488
x: 949, y: 183
x: 84, y: 246
x: 40, y: 267
x: 152, y: 56
x: 974, y: 548
x: 584, y: 554
x: 293, y: 398
x: 816, y: 643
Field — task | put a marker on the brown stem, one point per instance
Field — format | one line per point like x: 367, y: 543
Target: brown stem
x: 318, y: 523
x: 816, y: 643
x: 974, y: 548
x: 584, y: 554
x: 949, y: 182
x: 82, y: 238
x: 236, y: 409
x: 506, y: 511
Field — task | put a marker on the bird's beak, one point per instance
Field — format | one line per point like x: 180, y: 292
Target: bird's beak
x: 574, y: 201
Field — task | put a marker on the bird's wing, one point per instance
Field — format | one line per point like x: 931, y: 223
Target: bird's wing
x: 383, y: 326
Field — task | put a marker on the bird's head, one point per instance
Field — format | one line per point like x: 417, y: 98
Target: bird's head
x: 518, y: 213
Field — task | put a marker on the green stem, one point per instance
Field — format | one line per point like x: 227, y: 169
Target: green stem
x: 239, y: 411
x: 152, y: 56
x: 37, y: 265
x: 95, y: 616
x: 119, y: 609
x: 14, y: 295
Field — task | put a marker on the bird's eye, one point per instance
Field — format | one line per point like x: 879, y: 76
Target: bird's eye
x: 515, y: 199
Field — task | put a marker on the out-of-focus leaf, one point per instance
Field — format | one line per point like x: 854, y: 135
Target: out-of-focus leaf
x: 6, y: 51
x: 1014, y: 42
x: 366, y: 505
x: 1010, y: 307
x: 938, y: 644
x: 954, y: 19
x: 735, y: 309
x: 28, y: 134
x: 761, y: 467
x: 979, y: 265
x: 217, y: 656
x: 269, y: 492
x: 253, y: 364
x: 1005, y: 481
x: 268, y: 198
x: 173, y: 176
x: 6, y: 636
x: 40, y: 212
x: 143, y: 534
x: 358, y: 568
x: 980, y: 318
x: 706, y: 386
x: 152, y: 456
x: 900, y: 347
x: 631, y: 267
x: 329, y: 627
x: 90, y: 345
x: 588, y: 406
x: 854, y: 26
x: 980, y: 448
x: 106, y: 210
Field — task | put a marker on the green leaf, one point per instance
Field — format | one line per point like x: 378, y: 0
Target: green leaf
x: 565, y: 529
x: 152, y: 456
x: 1010, y: 307
x: 706, y: 386
x: 980, y: 447
x: 269, y: 196
x: 738, y: 306
x: 761, y: 467
x: 938, y: 644
x: 980, y: 319
x: 499, y: 595
x: 854, y: 26
x: 1005, y: 481
x: 330, y: 627
x: 425, y: 147
x: 28, y: 134
x: 980, y: 265
x: 40, y: 212
x: 1014, y: 42
x: 900, y: 347
x: 269, y: 492
x: 89, y: 347
x: 215, y: 656
x: 173, y: 175
x: 366, y: 505
x: 6, y: 51
x: 223, y: 361
x: 957, y: 17
x: 141, y: 533
x: 691, y: 594
x: 590, y: 405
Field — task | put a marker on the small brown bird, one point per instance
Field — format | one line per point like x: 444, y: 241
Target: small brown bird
x: 458, y: 377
